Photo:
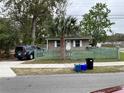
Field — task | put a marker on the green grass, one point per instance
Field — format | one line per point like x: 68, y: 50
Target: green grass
x: 58, y: 61
x: 106, y: 60
x: 121, y: 56
x: 52, y: 61
x: 51, y: 71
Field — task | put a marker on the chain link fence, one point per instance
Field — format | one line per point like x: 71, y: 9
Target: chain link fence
x: 96, y: 53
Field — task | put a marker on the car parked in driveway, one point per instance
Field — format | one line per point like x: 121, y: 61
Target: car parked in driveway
x: 25, y: 51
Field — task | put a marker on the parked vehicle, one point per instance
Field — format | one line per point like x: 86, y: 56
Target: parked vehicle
x: 25, y: 51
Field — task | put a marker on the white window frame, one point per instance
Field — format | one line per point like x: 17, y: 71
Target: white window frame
x: 55, y: 44
x: 81, y: 44
x: 74, y: 44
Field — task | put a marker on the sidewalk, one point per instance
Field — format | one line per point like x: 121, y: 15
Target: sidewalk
x: 6, y: 71
x: 71, y: 65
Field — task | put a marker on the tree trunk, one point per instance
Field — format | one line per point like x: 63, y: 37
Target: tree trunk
x: 0, y: 51
x: 62, y: 41
x: 94, y: 43
x: 33, y: 30
x: 7, y: 52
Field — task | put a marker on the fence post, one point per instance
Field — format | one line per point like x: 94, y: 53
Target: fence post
x: 118, y: 53
x: 35, y: 54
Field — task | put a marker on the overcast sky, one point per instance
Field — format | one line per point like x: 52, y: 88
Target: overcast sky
x: 79, y: 7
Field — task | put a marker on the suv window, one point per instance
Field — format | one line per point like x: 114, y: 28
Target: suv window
x: 19, y: 49
x: 28, y: 48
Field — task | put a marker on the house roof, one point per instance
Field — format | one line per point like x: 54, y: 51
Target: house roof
x: 73, y: 38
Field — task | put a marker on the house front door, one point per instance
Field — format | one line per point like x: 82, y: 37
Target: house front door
x: 68, y: 45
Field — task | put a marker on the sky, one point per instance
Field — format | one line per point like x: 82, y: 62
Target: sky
x: 77, y: 8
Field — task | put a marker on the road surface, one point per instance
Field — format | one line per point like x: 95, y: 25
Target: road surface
x: 76, y: 83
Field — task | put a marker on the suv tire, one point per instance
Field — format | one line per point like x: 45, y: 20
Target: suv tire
x: 31, y: 56
x: 19, y: 58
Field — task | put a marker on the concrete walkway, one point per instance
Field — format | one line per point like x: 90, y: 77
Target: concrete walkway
x: 5, y: 67
x: 6, y: 72
x: 71, y: 65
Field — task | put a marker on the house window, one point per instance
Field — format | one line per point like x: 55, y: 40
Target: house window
x: 77, y: 43
x: 57, y: 43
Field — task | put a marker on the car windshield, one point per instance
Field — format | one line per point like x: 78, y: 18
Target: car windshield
x: 19, y: 49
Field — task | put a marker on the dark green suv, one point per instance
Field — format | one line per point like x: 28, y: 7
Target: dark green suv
x: 25, y: 51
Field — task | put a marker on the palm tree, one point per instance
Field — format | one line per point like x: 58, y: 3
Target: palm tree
x: 64, y: 27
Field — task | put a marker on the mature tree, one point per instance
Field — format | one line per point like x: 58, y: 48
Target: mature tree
x: 8, y: 35
x: 29, y: 13
x: 96, y: 23
x: 63, y: 26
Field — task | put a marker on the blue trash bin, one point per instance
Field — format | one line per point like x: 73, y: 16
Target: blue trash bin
x: 77, y: 67
x: 84, y: 67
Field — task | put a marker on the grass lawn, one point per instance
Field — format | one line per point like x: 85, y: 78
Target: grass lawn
x: 38, y: 71
x: 121, y: 56
x: 58, y: 61
x: 51, y: 61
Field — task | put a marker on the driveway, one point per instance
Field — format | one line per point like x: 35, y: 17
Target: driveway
x: 5, y: 70
x: 77, y: 83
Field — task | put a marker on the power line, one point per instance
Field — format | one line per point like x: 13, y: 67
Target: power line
x: 110, y: 16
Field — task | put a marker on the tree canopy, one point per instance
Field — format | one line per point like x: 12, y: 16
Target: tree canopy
x: 8, y: 35
x: 31, y: 14
x: 96, y: 23
x: 64, y: 26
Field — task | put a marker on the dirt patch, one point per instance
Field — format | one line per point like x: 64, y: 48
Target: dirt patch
x: 3, y: 57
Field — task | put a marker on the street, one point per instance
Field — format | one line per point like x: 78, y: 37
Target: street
x: 76, y: 83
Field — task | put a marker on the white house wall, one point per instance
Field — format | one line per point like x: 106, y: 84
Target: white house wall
x: 83, y: 44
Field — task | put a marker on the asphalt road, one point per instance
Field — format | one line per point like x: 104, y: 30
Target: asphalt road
x: 77, y: 83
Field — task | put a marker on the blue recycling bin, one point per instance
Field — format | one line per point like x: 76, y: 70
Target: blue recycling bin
x: 77, y: 67
x: 80, y: 67
x: 84, y: 67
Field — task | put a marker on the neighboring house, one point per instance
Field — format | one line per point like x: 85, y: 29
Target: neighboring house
x: 116, y: 44
x: 70, y: 43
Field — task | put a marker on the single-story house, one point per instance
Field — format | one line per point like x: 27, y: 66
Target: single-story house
x: 70, y: 43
